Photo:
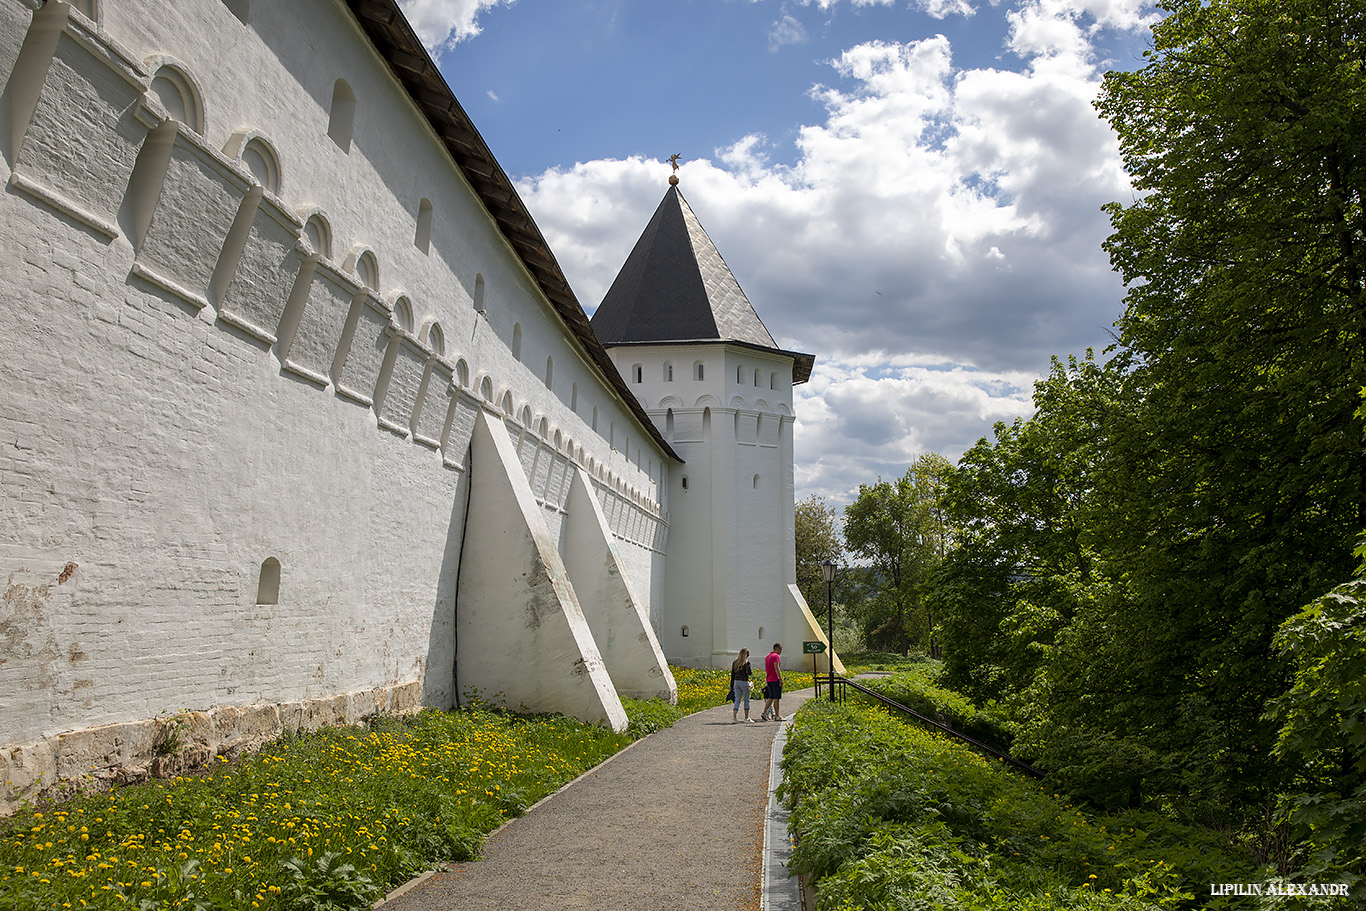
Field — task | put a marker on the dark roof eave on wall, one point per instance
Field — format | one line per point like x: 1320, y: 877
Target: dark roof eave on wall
x: 394, y: 39
x: 802, y: 364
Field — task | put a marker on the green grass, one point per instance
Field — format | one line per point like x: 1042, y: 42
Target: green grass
x: 892, y: 816
x: 916, y: 687
x: 325, y: 820
x: 860, y: 662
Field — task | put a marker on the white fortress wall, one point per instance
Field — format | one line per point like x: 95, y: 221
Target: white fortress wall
x: 238, y: 391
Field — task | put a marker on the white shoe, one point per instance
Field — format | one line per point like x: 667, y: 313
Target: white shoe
x: 749, y: 721
x: 780, y: 717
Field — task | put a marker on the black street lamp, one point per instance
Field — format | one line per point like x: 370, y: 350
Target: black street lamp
x: 828, y: 571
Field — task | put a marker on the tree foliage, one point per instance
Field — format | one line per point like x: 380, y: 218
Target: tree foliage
x: 818, y: 540
x: 900, y: 529
x: 1131, y: 550
x: 1322, y: 718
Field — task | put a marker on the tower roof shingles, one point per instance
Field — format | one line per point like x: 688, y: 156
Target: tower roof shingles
x: 676, y: 288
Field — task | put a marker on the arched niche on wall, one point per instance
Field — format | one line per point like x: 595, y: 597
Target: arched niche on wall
x: 268, y: 582
x: 402, y: 316
x: 341, y: 116
x: 462, y: 373
x: 177, y: 91
x: 433, y: 337
x: 257, y: 154
x: 318, y: 234
x: 366, y: 269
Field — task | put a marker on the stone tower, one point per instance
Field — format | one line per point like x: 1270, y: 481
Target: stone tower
x: 692, y: 348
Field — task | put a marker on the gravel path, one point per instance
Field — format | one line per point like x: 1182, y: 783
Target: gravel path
x: 672, y: 823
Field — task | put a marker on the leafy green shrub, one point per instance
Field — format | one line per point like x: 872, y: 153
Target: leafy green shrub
x: 327, y: 882
x: 916, y: 689
x: 858, y: 662
x: 1322, y: 718
x: 649, y: 716
x: 892, y: 816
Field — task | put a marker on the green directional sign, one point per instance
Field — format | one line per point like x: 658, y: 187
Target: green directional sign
x: 813, y: 648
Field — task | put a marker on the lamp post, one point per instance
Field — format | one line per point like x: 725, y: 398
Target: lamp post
x: 828, y: 571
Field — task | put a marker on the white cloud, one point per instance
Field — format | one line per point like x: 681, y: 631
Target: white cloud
x: 864, y: 417
x: 442, y: 23
x: 787, y: 30
x: 939, y: 9
x: 935, y: 240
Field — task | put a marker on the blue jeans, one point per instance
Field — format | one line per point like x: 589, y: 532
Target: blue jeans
x: 741, y: 692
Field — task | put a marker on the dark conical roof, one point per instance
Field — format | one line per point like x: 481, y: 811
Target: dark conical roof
x: 675, y: 287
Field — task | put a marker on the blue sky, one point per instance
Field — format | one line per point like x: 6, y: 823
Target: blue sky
x: 908, y: 189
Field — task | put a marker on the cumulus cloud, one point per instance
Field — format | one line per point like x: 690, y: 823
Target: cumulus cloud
x: 861, y: 418
x: 941, y: 222
x: 442, y: 23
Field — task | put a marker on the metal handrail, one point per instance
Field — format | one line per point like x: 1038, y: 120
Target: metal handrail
x: 845, y: 683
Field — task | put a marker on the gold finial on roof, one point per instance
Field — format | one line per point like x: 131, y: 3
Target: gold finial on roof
x: 673, y: 160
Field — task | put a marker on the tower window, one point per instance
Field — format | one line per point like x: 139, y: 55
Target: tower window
x: 637, y: 374
x: 423, y: 238
x: 342, y: 117
x: 268, y: 586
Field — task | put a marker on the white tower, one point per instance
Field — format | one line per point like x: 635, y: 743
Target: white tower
x: 696, y: 354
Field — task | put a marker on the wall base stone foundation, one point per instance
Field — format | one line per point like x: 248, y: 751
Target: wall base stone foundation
x: 95, y: 759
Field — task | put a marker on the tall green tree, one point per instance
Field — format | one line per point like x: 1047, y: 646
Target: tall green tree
x: 1028, y: 512
x: 900, y: 529
x: 818, y: 540
x: 1238, y: 480
x: 1130, y: 551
